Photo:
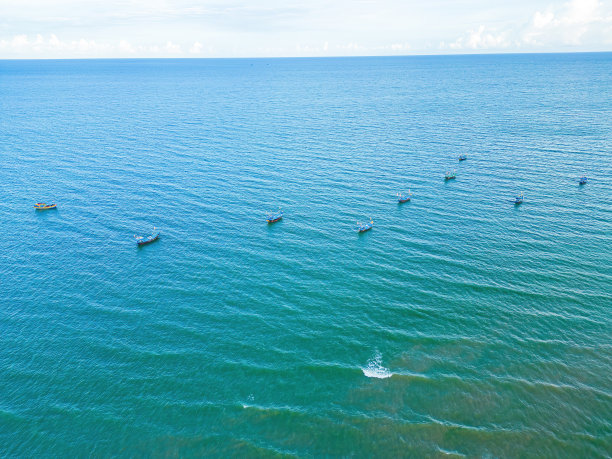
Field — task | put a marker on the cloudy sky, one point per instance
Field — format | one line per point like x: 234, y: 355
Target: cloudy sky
x: 250, y: 28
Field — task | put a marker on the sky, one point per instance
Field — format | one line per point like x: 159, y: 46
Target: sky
x: 278, y: 28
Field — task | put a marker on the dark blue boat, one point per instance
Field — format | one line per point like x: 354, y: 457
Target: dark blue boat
x: 273, y: 218
x: 404, y: 198
x: 362, y: 227
x: 519, y: 199
x: 583, y: 180
x: 462, y: 157
x: 143, y: 240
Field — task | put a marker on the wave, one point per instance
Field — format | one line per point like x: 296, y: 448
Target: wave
x: 374, y: 369
x: 445, y: 452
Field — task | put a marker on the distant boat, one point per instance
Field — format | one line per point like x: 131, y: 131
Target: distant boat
x: 273, y: 218
x: 519, y: 199
x: 450, y: 175
x: 583, y: 180
x: 404, y: 198
x: 362, y: 227
x: 142, y: 240
x: 43, y: 206
x: 462, y: 157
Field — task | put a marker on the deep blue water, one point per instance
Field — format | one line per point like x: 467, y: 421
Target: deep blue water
x: 460, y: 325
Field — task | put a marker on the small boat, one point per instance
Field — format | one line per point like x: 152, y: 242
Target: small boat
x: 450, y: 175
x: 362, y: 227
x: 462, y: 157
x: 583, y: 180
x: 44, y: 206
x: 404, y: 198
x: 519, y: 199
x: 142, y: 240
x: 273, y: 218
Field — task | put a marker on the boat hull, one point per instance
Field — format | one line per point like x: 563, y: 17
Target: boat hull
x: 274, y: 220
x: 52, y: 206
x: 147, y: 240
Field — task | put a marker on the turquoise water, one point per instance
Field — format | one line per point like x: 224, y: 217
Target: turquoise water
x: 460, y: 325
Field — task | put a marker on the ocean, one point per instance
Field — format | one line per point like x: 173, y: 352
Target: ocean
x: 460, y: 325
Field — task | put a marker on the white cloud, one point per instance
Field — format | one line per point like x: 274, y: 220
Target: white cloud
x: 55, y: 42
x: 20, y: 41
x: 42, y: 47
x: 399, y: 47
x: 196, y: 48
x: 351, y: 47
x: 172, y: 48
x: 235, y: 28
x: 582, y: 12
x: 481, y: 39
x: 541, y: 20
x: 571, y: 24
x: 53, y: 46
x: 126, y: 47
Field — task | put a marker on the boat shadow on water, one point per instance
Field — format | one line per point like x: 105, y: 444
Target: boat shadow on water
x: 47, y: 214
x: 51, y: 211
x: 273, y: 225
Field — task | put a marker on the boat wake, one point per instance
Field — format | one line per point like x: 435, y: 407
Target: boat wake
x: 250, y: 398
x: 375, y: 368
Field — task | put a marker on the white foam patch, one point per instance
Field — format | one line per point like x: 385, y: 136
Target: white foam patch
x: 250, y: 398
x: 375, y: 368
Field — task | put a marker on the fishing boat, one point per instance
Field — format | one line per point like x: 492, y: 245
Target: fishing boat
x: 404, y: 198
x: 450, y: 175
x: 273, y: 218
x: 142, y: 240
x: 583, y: 180
x: 519, y: 198
x: 44, y: 206
x: 363, y: 227
x: 462, y: 157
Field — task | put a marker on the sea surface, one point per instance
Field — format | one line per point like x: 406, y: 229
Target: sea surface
x: 460, y: 325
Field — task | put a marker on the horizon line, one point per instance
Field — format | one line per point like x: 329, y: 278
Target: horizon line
x: 497, y: 53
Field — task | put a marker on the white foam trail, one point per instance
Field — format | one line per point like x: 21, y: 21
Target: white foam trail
x: 375, y: 368
x: 451, y: 453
